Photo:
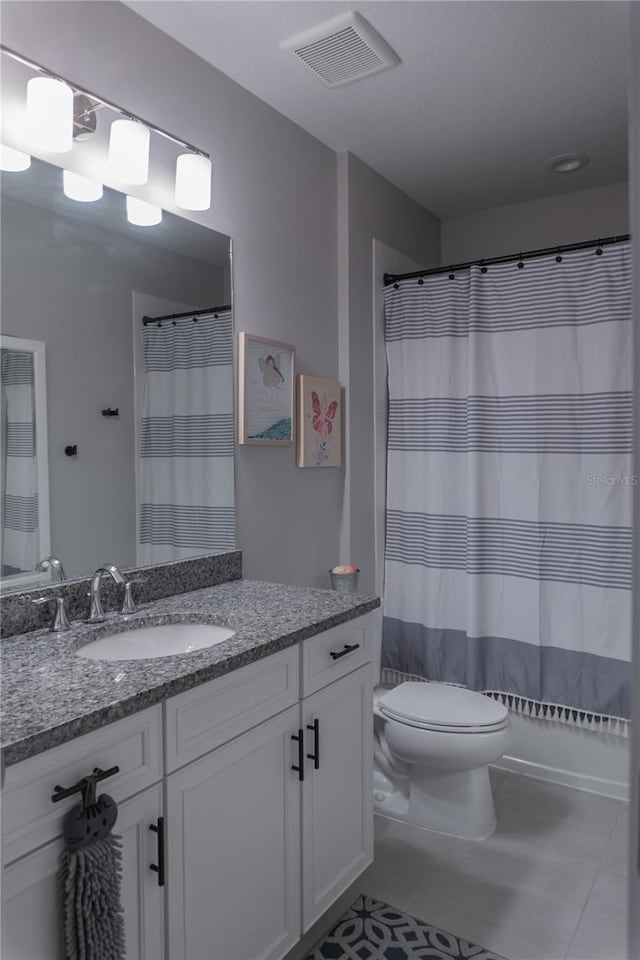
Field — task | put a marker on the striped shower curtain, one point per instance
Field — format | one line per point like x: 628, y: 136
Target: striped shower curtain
x: 20, y: 534
x: 508, y: 540
x: 187, y: 439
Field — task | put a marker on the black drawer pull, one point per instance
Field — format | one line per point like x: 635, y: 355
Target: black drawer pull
x: 158, y: 867
x: 98, y: 775
x: 299, y: 738
x: 315, y: 756
x: 348, y: 648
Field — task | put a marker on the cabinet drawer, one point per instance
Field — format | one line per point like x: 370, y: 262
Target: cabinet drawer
x: 199, y: 720
x: 328, y: 656
x: 30, y: 819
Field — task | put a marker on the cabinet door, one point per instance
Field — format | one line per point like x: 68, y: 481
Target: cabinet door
x: 31, y: 921
x: 337, y: 809
x: 233, y: 845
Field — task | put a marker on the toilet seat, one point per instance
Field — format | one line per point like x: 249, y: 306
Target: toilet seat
x: 442, y: 708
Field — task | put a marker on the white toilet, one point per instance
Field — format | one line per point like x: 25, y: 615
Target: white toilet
x: 433, y: 746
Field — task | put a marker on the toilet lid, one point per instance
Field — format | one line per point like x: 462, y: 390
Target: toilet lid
x: 439, y: 706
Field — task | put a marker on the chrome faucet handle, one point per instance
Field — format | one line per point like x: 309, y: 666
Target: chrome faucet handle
x: 60, y: 621
x: 128, y: 604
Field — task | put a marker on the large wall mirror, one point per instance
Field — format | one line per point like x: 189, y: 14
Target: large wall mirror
x: 117, y: 384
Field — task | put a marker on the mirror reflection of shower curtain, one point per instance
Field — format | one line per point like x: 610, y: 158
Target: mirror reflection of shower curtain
x: 20, y: 535
x: 508, y: 545
x: 187, y: 439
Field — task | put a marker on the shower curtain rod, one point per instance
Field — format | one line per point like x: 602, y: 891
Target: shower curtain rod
x: 390, y: 278
x: 189, y: 313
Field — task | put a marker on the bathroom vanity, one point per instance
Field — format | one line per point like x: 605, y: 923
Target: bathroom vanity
x: 244, y: 785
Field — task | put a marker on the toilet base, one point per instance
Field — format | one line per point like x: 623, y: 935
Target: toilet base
x: 456, y: 803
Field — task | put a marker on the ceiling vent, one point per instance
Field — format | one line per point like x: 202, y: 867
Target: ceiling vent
x: 342, y: 50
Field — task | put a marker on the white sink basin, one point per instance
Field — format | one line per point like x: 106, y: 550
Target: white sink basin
x: 166, y: 640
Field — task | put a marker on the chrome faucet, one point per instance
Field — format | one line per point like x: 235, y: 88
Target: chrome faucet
x: 97, y: 614
x: 60, y: 623
x: 53, y: 564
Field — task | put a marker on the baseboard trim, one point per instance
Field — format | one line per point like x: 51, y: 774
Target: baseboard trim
x: 579, y: 781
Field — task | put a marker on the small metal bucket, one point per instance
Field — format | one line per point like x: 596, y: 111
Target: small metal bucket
x: 344, y: 582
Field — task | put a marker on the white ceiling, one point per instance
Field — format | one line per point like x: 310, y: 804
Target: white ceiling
x: 486, y: 91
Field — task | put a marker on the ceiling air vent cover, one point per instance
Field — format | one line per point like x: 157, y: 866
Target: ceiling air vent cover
x: 342, y: 50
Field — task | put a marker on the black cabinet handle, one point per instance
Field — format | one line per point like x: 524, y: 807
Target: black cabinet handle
x: 299, y: 738
x: 348, y: 648
x: 61, y: 793
x: 158, y: 867
x: 315, y: 756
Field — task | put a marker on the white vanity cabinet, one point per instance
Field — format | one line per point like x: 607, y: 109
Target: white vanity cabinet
x: 264, y: 778
x: 337, y: 808
x: 234, y: 849
x: 30, y: 910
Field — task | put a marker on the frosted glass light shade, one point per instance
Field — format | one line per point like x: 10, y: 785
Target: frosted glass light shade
x: 50, y: 114
x: 80, y: 188
x: 143, y: 214
x: 193, y: 182
x: 129, y: 151
x: 13, y: 160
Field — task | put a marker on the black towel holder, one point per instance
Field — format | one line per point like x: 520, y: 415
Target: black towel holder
x: 94, y: 817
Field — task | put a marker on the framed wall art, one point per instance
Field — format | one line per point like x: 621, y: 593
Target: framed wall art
x: 265, y: 391
x: 319, y: 422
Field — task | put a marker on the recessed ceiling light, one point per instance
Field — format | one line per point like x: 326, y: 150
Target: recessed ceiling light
x: 567, y: 162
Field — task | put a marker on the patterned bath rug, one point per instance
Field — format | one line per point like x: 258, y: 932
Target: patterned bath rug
x: 371, y: 930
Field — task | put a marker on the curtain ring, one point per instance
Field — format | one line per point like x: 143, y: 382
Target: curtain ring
x: 395, y: 286
x: 599, y: 249
x: 420, y: 281
x: 558, y: 257
x: 520, y: 263
x: 483, y: 269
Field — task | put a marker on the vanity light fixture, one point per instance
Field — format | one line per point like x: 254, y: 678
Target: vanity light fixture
x: 51, y: 127
x: 142, y: 214
x: 13, y: 161
x: 193, y: 181
x: 129, y: 151
x: 77, y: 187
x: 50, y: 114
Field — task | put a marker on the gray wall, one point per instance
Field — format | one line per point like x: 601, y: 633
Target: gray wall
x: 569, y: 218
x: 634, y: 168
x: 69, y: 284
x: 372, y: 209
x: 274, y: 193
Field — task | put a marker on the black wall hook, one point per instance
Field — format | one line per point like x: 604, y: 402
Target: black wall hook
x: 71, y: 450
x: 111, y: 412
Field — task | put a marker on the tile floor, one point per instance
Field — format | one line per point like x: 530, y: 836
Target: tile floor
x: 550, y: 883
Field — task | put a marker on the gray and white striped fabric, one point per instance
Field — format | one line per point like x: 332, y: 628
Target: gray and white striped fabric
x: 508, y: 541
x: 187, y: 439
x: 20, y: 534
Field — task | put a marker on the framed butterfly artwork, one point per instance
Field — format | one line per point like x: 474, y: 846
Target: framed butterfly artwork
x: 265, y: 391
x: 319, y: 422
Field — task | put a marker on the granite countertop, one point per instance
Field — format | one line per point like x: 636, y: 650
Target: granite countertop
x: 50, y: 695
